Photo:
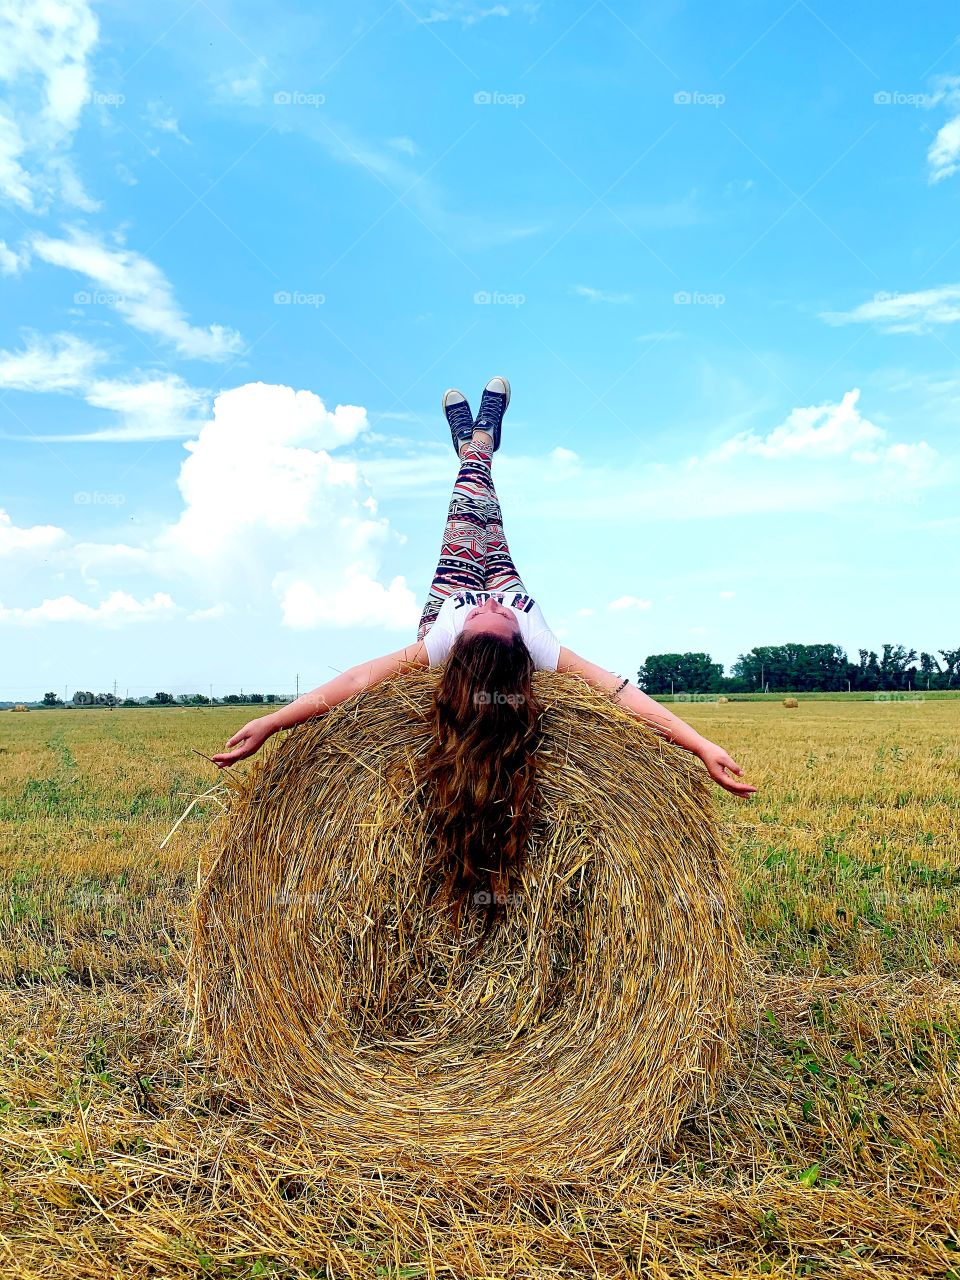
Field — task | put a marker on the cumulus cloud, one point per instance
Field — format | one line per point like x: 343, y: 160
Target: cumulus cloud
x: 44, y: 51
x: 824, y: 431
x: 116, y: 610
x: 268, y: 508
x: 139, y: 291
x: 30, y: 538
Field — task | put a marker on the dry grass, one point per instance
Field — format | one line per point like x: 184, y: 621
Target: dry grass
x: 571, y: 1041
x: 834, y: 1151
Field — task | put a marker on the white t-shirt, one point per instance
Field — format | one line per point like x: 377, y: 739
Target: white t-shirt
x: 543, y: 644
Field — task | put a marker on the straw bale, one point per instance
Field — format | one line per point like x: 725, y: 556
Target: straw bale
x: 574, y: 1037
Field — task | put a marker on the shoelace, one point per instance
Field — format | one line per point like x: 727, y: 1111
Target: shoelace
x: 491, y: 409
x: 460, y: 418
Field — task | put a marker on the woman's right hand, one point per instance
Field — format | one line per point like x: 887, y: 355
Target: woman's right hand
x: 246, y: 741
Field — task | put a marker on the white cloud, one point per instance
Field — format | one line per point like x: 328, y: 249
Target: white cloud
x: 160, y: 117
x: 600, y: 295
x: 12, y: 261
x: 147, y: 407
x: 623, y: 603
x: 358, y: 602
x: 584, y: 613
x: 904, y: 312
x: 139, y: 291
x: 116, y: 610
x: 244, y: 84
x: 31, y: 538
x: 266, y: 507
x: 466, y: 12
x: 44, y: 50
x: 406, y: 145
x: 943, y: 155
x: 565, y: 457
x: 214, y: 612
x: 823, y: 431
x: 62, y: 362
x: 727, y: 595
x: 161, y: 408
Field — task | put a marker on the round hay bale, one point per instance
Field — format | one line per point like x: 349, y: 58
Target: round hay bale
x: 790, y: 702
x: 723, y: 698
x: 573, y: 1038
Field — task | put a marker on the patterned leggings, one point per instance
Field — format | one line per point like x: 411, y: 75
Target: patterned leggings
x: 474, y: 553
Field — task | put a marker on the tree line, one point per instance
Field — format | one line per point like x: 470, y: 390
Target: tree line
x: 799, y: 668
x: 85, y: 698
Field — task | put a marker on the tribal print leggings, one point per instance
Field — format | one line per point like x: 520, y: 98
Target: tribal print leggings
x: 474, y: 553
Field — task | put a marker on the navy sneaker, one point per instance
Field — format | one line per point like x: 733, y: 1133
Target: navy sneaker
x: 459, y: 417
x: 493, y: 405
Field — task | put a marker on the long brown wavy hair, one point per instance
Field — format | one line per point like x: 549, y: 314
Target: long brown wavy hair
x: 480, y: 769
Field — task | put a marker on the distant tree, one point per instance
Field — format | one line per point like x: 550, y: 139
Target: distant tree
x: 194, y: 699
x: 793, y: 667
x: 84, y: 698
x: 255, y: 697
x: 130, y: 702
x: 51, y: 700
x: 163, y: 699
x: 896, y: 667
x: 106, y: 700
x: 952, y: 659
x: 231, y: 699
x: 680, y: 673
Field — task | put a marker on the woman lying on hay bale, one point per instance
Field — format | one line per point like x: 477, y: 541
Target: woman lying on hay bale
x: 482, y: 623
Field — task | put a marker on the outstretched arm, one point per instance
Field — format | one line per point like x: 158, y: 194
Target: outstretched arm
x: 720, y: 766
x: 320, y: 700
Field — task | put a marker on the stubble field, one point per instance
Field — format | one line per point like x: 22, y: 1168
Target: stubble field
x: 835, y: 1152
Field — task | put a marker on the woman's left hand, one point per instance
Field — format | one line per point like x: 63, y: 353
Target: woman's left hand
x: 722, y: 767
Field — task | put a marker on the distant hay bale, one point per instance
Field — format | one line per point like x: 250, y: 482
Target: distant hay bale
x: 790, y: 702
x: 575, y: 1037
x: 723, y: 699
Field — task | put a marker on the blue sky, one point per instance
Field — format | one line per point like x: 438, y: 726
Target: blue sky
x: 244, y: 250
